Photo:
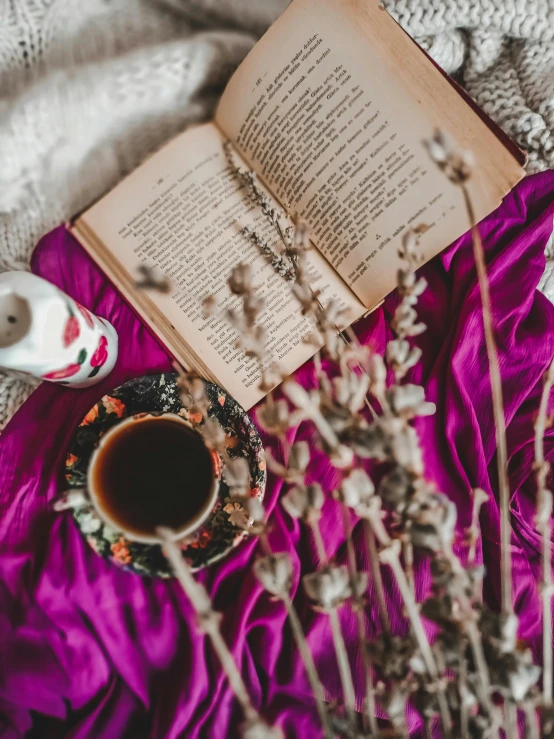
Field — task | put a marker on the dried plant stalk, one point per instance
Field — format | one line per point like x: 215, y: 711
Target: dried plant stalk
x: 208, y: 621
x: 274, y: 571
x: 313, y: 678
x: 374, y: 563
x: 338, y: 640
x: 497, y: 406
x: 370, y: 718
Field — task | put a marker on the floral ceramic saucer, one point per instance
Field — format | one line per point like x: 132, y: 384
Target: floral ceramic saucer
x: 159, y: 393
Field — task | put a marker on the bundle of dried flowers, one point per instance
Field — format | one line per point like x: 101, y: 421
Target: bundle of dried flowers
x: 475, y: 675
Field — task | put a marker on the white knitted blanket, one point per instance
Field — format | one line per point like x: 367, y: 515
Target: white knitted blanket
x: 88, y: 89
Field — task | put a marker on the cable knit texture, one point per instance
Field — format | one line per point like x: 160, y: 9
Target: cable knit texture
x: 89, y: 89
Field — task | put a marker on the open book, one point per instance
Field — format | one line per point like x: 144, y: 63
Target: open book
x: 329, y: 109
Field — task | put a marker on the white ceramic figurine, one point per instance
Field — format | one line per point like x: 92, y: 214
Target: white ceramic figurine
x: 45, y: 333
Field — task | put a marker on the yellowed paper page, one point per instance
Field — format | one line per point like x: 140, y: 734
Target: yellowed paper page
x: 182, y: 212
x: 330, y: 109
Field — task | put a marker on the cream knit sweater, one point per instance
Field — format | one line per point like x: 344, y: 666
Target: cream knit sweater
x: 89, y: 89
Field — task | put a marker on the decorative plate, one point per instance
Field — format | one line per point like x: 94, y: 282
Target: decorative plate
x: 159, y: 393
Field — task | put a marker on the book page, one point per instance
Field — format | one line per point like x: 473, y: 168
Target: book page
x: 182, y: 212
x: 330, y: 109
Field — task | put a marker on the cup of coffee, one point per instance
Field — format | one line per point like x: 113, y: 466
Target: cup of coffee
x: 150, y: 471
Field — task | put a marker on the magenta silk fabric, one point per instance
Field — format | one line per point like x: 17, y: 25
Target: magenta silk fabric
x: 90, y: 650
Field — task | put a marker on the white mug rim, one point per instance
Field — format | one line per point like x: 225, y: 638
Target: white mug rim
x: 178, y: 534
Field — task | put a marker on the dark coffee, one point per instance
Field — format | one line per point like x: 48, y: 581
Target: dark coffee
x: 153, y: 472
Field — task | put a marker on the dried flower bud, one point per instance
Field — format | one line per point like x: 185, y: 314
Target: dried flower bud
x: 192, y: 391
x: 304, y: 502
x: 391, y: 553
x: 299, y: 457
x: 431, y: 521
x: 523, y: 677
x: 214, y: 434
x: 209, y: 306
x: 351, y: 390
x: 301, y: 398
x: 377, y: 373
x: 307, y: 297
x: 356, y: 490
x: 255, y: 510
x: 405, y: 449
x: 329, y: 587
x: 508, y: 632
x: 236, y: 474
x: 152, y: 279
x: 302, y: 236
x: 369, y: 442
x: 408, y: 251
x: 275, y: 573
x: 396, y: 487
x: 457, y: 166
x: 252, y: 306
x: 408, y: 401
x: 274, y: 417
x: 402, y: 357
x: 298, y: 461
x: 341, y: 456
x: 271, y: 377
x: 405, y: 323
x: 240, y: 280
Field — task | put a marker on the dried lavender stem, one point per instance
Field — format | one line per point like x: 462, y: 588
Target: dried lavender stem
x: 473, y: 542
x: 498, y: 409
x: 370, y: 717
x: 375, y: 565
x: 531, y: 721
x: 311, y: 672
x: 201, y: 603
x: 304, y: 650
x: 354, y: 340
x: 543, y: 524
x: 472, y: 631
x: 344, y: 667
x: 408, y: 554
x: 462, y: 680
x: 338, y: 641
x: 428, y: 729
x: 500, y: 429
x: 510, y: 710
x: 390, y: 555
x: 319, y: 543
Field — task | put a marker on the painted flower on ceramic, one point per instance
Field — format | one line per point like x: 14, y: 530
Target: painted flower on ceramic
x: 68, y: 371
x: 86, y: 315
x: 237, y: 516
x: 71, y: 331
x: 217, y: 463
x: 89, y: 523
x: 120, y: 552
x: 71, y: 459
x: 91, y: 416
x: 99, y: 357
x: 113, y: 405
x: 202, y: 541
